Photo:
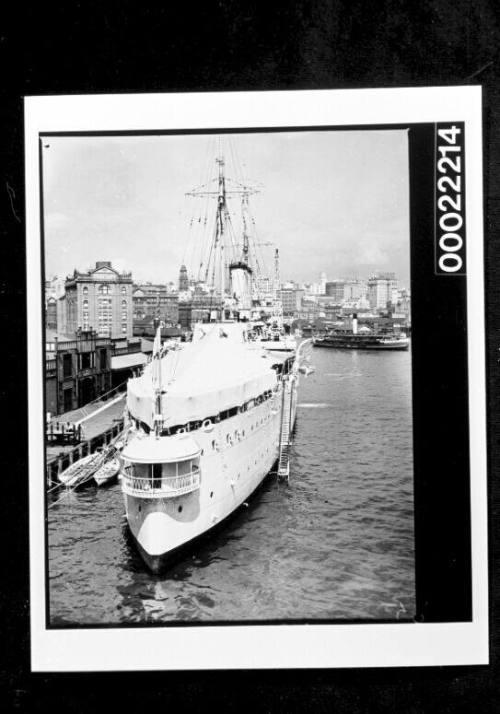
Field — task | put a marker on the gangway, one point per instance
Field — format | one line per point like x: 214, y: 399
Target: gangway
x: 286, y: 428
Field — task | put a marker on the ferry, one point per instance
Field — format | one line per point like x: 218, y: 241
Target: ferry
x: 362, y: 341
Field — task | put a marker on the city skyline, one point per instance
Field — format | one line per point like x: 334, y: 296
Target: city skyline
x: 323, y: 203
x: 284, y: 279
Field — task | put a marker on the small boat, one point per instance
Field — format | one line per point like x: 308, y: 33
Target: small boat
x: 81, y: 470
x: 107, y: 472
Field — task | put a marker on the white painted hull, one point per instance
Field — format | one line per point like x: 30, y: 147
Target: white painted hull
x: 229, y: 476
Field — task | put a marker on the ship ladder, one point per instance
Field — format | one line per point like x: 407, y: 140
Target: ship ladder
x: 285, y: 431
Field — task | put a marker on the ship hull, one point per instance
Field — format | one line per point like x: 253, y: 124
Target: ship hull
x: 246, y: 448
x: 353, y: 345
x: 157, y: 564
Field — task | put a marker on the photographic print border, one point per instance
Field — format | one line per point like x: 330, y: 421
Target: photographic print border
x: 333, y: 110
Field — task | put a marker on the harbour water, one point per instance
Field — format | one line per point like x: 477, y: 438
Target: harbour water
x: 336, y: 542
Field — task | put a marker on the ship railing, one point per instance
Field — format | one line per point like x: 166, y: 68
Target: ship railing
x: 162, y: 487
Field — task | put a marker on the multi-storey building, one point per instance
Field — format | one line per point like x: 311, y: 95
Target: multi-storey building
x: 354, y: 290
x: 335, y: 290
x: 84, y: 368
x: 309, y: 309
x: 150, y: 300
x: 77, y: 370
x: 99, y: 300
x: 290, y: 299
x: 380, y: 290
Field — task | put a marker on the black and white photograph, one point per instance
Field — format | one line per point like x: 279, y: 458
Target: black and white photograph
x: 252, y: 344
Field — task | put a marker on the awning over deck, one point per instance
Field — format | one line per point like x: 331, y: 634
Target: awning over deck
x: 136, y: 359
x: 165, y: 449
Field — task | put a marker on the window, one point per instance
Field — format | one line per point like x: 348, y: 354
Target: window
x: 124, y: 303
x: 85, y: 290
x: 85, y: 360
x: 124, y: 289
x: 104, y: 289
x: 141, y: 470
x: 156, y: 475
x: 67, y: 365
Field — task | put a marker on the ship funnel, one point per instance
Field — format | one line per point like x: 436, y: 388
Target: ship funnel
x: 355, y: 324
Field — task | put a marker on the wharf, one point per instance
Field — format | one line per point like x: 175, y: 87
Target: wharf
x: 100, y: 426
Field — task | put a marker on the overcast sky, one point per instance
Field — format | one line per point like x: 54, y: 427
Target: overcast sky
x: 332, y: 201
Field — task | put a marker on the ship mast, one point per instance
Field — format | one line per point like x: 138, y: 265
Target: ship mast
x: 277, y: 278
x: 220, y: 223
x: 223, y: 235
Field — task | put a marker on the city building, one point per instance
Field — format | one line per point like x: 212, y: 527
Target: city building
x: 83, y: 368
x: 153, y: 300
x: 309, y: 309
x: 99, y: 300
x: 77, y: 370
x: 51, y: 313
x: 290, y: 299
x: 264, y: 286
x: 183, y: 279
x: 381, y: 290
x: 335, y: 290
x: 54, y: 288
x: 355, y: 290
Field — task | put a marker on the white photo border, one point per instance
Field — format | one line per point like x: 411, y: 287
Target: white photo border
x: 266, y: 646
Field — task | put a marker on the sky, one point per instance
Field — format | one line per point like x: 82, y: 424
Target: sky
x: 331, y: 201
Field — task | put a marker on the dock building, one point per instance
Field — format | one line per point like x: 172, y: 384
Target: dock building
x: 99, y: 300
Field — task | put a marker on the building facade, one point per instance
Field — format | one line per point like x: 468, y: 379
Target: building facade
x: 51, y: 314
x: 335, y: 290
x: 77, y: 371
x: 381, y: 290
x: 183, y: 279
x: 291, y: 299
x: 153, y: 300
x: 99, y: 300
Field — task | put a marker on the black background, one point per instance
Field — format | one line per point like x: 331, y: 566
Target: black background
x: 229, y: 45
